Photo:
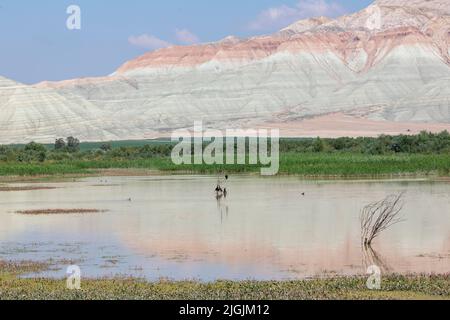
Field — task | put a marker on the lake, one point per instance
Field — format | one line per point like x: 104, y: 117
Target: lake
x: 174, y: 227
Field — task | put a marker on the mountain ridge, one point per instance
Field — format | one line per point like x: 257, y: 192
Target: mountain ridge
x: 389, y: 62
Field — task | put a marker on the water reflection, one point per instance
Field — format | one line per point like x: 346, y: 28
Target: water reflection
x: 222, y: 206
x: 175, y: 227
x: 372, y: 258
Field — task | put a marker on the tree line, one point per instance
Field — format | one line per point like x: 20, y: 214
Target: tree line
x: 69, y: 148
x: 423, y: 143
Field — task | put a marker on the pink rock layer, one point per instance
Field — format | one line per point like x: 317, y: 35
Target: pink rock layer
x: 417, y: 23
x: 340, y: 125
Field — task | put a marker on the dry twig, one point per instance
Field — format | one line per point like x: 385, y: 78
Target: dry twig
x: 379, y: 216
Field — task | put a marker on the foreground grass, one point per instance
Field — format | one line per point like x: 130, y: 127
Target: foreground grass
x: 393, y: 287
x: 301, y: 164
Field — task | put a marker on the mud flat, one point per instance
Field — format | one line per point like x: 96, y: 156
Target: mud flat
x: 58, y: 211
x: 24, y: 188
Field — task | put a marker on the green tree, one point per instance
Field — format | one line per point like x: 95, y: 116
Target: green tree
x: 319, y: 145
x: 60, y: 144
x: 6, y: 153
x: 106, y: 147
x: 73, y: 144
x: 32, y: 152
x: 35, y: 147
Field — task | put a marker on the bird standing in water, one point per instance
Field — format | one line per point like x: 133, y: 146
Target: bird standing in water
x: 225, y: 191
x: 221, y: 191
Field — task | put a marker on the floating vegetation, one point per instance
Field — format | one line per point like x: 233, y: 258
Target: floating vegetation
x: 25, y: 188
x: 22, y: 267
x: 59, y: 211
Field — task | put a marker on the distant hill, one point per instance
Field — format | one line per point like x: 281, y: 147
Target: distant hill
x: 383, y: 69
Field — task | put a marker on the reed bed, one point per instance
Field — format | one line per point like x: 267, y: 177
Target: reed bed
x: 300, y: 164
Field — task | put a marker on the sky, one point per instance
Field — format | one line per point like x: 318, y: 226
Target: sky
x: 37, y: 45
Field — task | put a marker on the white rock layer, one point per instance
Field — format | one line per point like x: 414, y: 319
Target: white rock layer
x: 389, y: 62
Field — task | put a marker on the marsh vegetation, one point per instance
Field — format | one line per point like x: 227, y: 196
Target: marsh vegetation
x: 423, y: 154
x: 12, y: 287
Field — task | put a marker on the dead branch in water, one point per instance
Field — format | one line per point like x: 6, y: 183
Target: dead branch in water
x: 379, y: 216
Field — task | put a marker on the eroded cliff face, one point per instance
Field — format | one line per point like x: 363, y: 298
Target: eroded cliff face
x: 389, y: 62
x: 374, y: 31
x: 438, y: 6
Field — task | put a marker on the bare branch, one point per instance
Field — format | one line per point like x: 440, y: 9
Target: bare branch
x: 380, y: 216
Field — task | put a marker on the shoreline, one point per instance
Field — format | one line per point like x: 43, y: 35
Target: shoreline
x: 131, y: 172
x: 394, y: 287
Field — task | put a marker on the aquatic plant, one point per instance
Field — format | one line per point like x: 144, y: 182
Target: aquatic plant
x: 14, y: 287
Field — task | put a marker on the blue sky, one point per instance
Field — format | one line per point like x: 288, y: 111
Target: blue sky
x: 36, y: 45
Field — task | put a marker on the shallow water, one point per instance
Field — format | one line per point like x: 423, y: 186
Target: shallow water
x: 174, y: 227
